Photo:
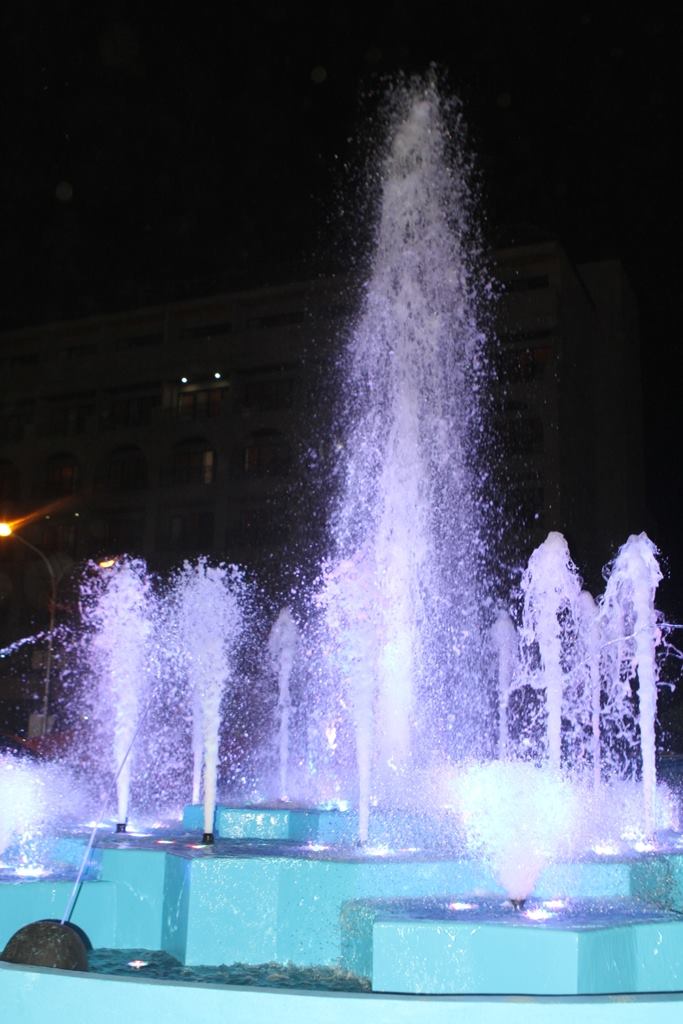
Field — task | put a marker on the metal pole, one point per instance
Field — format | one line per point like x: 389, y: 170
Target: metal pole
x: 51, y: 628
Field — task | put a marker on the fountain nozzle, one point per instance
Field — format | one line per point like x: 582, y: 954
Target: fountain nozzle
x: 207, y: 839
x: 518, y: 905
x: 120, y: 826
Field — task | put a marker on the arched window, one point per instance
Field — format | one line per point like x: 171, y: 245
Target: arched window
x: 194, y: 462
x: 125, y: 469
x: 266, y: 453
x: 62, y: 475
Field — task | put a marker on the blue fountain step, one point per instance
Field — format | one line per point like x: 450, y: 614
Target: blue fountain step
x: 659, y: 880
x: 428, y: 947
x: 123, y: 907
x: 259, y: 901
x: 94, y: 912
x: 298, y: 824
x: 255, y: 909
x: 326, y: 825
x: 29, y: 994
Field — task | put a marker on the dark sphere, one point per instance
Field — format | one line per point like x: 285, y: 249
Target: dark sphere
x: 47, y: 944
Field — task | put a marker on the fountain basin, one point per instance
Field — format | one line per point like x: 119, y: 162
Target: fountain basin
x: 72, y: 996
x: 428, y: 925
x: 583, y: 949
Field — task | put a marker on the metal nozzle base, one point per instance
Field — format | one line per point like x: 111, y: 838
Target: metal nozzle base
x: 121, y: 826
x: 207, y: 839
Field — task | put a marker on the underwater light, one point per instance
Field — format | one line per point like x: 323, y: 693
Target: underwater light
x: 335, y: 805
x: 377, y: 851
x: 31, y: 871
x: 537, y: 914
x: 605, y: 849
x: 644, y: 846
x: 137, y: 964
x: 461, y: 905
x: 554, y: 904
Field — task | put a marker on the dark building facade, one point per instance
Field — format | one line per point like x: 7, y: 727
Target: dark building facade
x: 177, y: 429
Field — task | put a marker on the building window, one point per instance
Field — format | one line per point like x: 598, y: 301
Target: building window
x: 13, y: 421
x: 527, y: 496
x: 24, y: 359
x: 268, y: 393
x: 188, y: 530
x: 58, y: 535
x: 9, y: 481
x: 259, y: 525
x: 69, y: 418
x: 532, y: 282
x: 62, y: 476
x: 131, y: 410
x: 202, y: 404
x: 266, y: 453
x: 120, y: 532
x: 124, y: 470
x: 524, y: 365
x: 194, y: 462
x: 81, y: 351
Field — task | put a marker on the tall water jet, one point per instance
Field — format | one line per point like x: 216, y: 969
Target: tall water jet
x: 551, y: 589
x: 350, y: 603
x: 591, y: 642
x: 633, y: 633
x: 282, y: 647
x: 117, y: 613
x: 505, y: 644
x: 409, y: 518
x: 209, y: 602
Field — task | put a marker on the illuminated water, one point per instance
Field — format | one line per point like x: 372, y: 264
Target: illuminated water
x: 208, y: 619
x: 404, y: 592
x: 407, y: 677
x: 147, y: 963
x: 283, y: 642
x: 117, y: 617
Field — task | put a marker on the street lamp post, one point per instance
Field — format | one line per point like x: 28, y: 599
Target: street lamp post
x: 7, y: 531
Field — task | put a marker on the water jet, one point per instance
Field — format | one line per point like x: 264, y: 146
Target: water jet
x: 384, y: 846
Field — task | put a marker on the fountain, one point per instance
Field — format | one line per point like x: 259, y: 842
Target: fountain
x: 480, y: 816
x: 282, y: 647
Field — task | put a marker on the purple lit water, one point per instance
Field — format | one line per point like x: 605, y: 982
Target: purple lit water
x: 403, y: 593
x: 283, y: 642
x: 118, y: 615
x: 208, y: 605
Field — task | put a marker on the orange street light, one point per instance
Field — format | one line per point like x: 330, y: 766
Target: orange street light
x: 6, y: 530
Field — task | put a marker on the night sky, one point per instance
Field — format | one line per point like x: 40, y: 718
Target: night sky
x: 144, y: 150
